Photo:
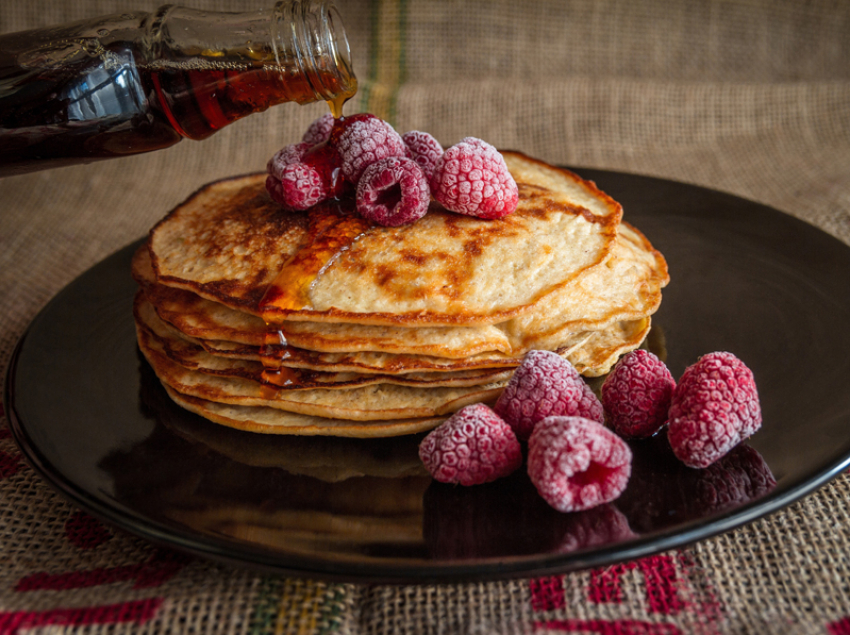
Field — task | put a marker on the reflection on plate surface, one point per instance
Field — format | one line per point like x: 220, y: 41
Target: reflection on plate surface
x: 373, y: 498
x: 94, y: 420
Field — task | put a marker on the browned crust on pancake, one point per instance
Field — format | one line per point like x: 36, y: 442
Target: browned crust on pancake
x: 268, y: 221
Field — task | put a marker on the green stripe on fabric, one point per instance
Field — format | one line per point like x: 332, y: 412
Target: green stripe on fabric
x: 387, y: 57
x: 365, y: 87
x: 332, y: 610
x: 264, y: 617
x: 402, y: 36
x: 402, y: 57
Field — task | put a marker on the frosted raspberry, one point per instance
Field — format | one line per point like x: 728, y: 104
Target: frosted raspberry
x: 298, y: 188
x: 714, y: 407
x: 545, y: 384
x: 472, y: 178
x: 392, y: 192
x: 319, y: 131
x: 287, y: 155
x: 363, y: 141
x: 576, y: 463
x: 636, y: 395
x: 424, y: 149
x: 471, y: 447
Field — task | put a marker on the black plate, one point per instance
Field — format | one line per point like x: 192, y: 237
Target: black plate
x: 745, y: 278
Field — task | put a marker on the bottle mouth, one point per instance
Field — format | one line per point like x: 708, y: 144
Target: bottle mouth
x: 310, y: 34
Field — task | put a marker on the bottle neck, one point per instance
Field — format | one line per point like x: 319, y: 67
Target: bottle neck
x: 309, y: 39
x: 209, y: 69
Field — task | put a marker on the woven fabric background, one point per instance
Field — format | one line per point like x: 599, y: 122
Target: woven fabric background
x: 746, y: 96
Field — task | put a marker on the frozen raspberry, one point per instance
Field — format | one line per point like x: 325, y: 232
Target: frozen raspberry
x: 363, y: 141
x: 471, y: 447
x: 301, y: 175
x: 714, y: 407
x: 545, y: 384
x: 471, y: 178
x: 424, y: 149
x: 392, y: 192
x: 287, y: 155
x: 636, y: 395
x: 319, y: 131
x: 576, y: 463
x: 298, y: 188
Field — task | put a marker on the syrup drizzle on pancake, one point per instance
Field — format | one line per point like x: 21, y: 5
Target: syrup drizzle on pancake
x: 333, y: 228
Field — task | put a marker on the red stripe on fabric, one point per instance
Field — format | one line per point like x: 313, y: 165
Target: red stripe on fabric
x: 605, y: 627
x: 660, y: 580
x: 9, y: 464
x: 77, y: 579
x: 840, y: 627
x: 85, y: 531
x: 162, y: 566
x: 605, y: 586
x: 547, y: 594
x: 139, y: 611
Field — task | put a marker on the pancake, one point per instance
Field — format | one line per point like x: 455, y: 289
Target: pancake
x: 231, y: 244
x: 591, y: 352
x: 320, y: 323
x: 266, y: 420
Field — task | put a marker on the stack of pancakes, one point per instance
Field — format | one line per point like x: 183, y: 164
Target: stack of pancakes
x: 320, y: 323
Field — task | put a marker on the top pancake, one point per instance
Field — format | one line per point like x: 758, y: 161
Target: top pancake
x: 230, y: 243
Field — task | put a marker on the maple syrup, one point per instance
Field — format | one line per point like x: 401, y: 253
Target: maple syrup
x: 333, y: 228
x: 137, y: 82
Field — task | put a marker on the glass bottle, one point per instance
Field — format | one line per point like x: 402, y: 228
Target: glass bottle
x: 130, y: 83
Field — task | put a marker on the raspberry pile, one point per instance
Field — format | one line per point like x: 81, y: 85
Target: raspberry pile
x: 544, y: 392
x: 392, y: 177
x: 574, y: 461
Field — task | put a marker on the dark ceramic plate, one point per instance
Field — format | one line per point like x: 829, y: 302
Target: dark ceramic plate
x: 93, y: 421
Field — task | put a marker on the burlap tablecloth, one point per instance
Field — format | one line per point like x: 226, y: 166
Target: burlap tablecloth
x: 748, y: 96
